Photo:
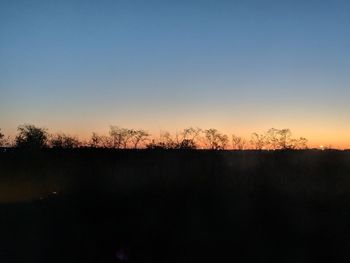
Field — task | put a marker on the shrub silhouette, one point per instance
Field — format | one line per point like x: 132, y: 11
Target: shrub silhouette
x: 31, y: 137
x: 100, y: 141
x: 216, y: 140
x: 165, y: 141
x: 138, y: 137
x: 2, y: 139
x: 238, y: 143
x: 186, y: 144
x: 258, y: 141
x: 123, y: 138
x: 188, y: 138
x: 64, y: 141
x: 153, y: 145
x: 282, y: 140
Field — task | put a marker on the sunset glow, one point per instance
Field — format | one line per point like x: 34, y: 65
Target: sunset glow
x: 240, y: 67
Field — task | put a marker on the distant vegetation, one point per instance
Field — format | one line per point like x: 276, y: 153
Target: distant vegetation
x: 169, y: 206
x: 32, y: 137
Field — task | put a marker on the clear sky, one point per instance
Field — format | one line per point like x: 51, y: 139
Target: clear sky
x: 238, y: 66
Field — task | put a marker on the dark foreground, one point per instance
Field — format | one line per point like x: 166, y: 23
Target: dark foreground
x: 150, y: 206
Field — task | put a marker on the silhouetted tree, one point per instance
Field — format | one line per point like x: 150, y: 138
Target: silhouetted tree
x: 284, y: 139
x: 30, y: 136
x: 165, y: 141
x: 272, y: 138
x: 120, y: 136
x: 186, y: 145
x: 191, y: 133
x: 258, y: 141
x: 215, y: 140
x: 5, y: 141
x: 123, y: 138
x: 106, y: 141
x: 64, y: 141
x: 188, y: 138
x: 139, y: 136
x: 97, y: 141
x: 238, y: 143
x: 300, y: 144
x: 2, y: 139
x: 129, y: 135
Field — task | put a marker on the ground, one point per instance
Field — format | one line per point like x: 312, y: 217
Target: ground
x: 95, y: 205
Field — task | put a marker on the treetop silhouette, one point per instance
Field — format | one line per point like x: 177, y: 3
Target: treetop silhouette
x: 32, y: 137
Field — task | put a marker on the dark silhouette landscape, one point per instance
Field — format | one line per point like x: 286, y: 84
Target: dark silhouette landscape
x: 86, y: 204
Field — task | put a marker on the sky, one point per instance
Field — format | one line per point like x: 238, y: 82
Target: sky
x: 238, y: 66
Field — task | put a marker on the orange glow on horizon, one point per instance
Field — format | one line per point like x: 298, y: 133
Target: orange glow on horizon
x: 315, y: 140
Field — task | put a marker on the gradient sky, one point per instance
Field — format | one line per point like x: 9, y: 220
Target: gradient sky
x: 238, y: 66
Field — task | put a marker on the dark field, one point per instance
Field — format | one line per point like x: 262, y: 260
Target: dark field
x: 173, y: 206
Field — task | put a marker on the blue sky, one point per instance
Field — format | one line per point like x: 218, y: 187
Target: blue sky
x: 239, y: 66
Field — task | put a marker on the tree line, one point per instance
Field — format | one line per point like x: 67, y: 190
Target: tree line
x: 33, y: 137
